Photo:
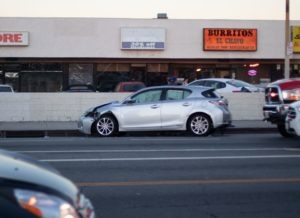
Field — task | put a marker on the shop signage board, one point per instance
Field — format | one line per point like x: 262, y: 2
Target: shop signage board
x: 14, y: 38
x: 296, y: 39
x: 143, y: 38
x: 228, y: 39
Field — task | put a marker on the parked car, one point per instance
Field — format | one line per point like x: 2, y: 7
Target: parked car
x: 196, y: 109
x: 80, y: 88
x: 31, y: 189
x: 6, y: 88
x: 278, y: 97
x: 131, y: 86
x: 292, y: 121
x: 223, y: 85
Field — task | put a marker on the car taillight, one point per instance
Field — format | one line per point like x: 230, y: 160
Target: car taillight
x: 273, y: 94
x: 291, y: 95
x: 223, y: 103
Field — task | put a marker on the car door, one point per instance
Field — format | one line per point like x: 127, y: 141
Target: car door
x: 175, y: 108
x: 142, y: 112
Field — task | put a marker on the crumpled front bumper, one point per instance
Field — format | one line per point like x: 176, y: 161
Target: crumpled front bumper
x: 84, y: 124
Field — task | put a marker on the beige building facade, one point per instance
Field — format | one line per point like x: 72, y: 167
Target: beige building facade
x: 48, y: 54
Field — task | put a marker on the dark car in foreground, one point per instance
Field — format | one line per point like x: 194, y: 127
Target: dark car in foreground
x: 196, y: 109
x: 32, y: 189
x: 278, y: 96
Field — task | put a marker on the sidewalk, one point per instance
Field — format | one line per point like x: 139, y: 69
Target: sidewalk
x: 53, y: 128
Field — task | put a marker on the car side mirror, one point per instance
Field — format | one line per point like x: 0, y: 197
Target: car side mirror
x: 244, y: 89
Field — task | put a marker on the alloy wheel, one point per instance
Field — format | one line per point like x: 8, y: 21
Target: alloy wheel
x: 106, y: 126
x: 200, y: 125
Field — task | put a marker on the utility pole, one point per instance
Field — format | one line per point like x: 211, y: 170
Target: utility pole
x: 287, y: 40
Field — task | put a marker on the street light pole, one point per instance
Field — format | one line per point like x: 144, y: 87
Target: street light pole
x: 287, y: 40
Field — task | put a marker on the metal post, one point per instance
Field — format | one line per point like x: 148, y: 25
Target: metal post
x: 287, y: 40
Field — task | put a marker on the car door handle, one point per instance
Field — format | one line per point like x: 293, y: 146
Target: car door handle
x: 186, y: 104
x: 154, y: 106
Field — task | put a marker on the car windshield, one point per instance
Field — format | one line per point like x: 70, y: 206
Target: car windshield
x: 239, y: 83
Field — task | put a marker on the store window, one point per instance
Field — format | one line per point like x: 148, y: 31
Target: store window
x: 186, y: 73
x: 39, y: 77
x: 80, y: 74
x: 10, y: 75
x: 157, y: 74
x: 108, y: 76
x: 1, y: 74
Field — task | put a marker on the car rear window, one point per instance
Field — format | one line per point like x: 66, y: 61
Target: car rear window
x: 177, y: 94
x: 210, y: 94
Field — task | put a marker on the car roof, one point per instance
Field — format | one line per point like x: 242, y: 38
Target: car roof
x: 22, y: 168
x: 202, y: 88
x: 80, y: 88
x: 7, y: 86
x: 195, y: 89
x: 291, y: 83
x: 217, y: 79
x: 131, y: 82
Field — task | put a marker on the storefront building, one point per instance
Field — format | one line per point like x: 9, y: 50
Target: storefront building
x: 48, y: 54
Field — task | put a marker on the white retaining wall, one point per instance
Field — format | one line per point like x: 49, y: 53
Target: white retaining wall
x: 69, y: 106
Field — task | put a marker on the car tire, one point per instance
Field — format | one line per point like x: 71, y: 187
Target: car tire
x: 106, y: 126
x: 199, y: 125
x: 282, y: 130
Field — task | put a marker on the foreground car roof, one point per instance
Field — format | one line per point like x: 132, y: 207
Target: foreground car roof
x: 22, y: 168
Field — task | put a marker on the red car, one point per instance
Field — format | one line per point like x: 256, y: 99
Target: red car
x: 131, y: 86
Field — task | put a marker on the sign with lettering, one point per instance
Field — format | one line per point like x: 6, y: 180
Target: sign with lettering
x: 252, y: 72
x: 296, y: 39
x: 143, y: 38
x: 14, y: 38
x: 222, y: 39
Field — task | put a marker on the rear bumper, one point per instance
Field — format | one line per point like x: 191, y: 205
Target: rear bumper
x: 293, y: 126
x: 274, y: 113
x: 222, y: 119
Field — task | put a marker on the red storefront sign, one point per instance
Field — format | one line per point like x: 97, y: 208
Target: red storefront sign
x: 14, y: 38
x: 221, y: 39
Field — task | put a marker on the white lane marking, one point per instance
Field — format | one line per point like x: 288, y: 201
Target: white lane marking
x: 155, y: 138
x: 159, y: 150
x: 46, y: 139
x: 172, y: 158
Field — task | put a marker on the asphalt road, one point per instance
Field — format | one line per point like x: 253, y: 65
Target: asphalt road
x: 218, y: 176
